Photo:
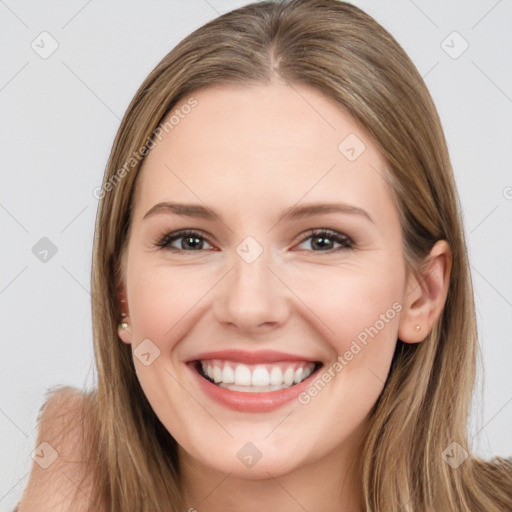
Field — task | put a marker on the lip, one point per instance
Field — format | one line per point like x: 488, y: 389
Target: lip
x: 247, y: 401
x: 242, y: 356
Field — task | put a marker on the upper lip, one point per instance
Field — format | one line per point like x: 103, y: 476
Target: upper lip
x: 242, y: 356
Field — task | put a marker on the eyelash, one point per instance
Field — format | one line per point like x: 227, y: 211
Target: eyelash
x: 345, y: 241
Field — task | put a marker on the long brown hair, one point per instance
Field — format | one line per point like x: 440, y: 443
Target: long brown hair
x: 424, y: 406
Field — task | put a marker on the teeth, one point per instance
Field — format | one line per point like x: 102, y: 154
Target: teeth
x: 242, y: 375
x: 288, y: 376
x: 228, y: 375
x: 217, y: 374
x: 276, y: 376
x: 256, y: 378
x: 260, y: 377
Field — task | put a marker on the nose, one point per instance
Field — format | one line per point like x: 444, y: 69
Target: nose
x: 252, y: 297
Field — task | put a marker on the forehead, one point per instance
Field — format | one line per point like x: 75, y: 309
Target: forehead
x: 262, y: 146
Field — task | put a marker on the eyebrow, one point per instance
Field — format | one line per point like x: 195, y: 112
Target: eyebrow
x: 291, y: 213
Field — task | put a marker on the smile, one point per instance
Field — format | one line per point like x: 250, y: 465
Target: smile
x: 251, y: 381
x: 255, y: 378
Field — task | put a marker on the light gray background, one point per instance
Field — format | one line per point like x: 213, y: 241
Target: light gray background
x: 60, y: 115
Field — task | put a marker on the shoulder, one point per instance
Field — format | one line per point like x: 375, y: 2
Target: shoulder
x: 58, y: 479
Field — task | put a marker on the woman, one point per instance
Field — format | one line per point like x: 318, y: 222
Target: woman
x: 238, y: 368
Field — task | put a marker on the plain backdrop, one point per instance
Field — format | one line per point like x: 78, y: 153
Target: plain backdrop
x: 60, y: 113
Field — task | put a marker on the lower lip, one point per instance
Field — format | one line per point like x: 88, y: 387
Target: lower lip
x: 250, y: 402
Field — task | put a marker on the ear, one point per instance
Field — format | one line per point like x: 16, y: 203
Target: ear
x: 425, y: 298
x: 124, y: 318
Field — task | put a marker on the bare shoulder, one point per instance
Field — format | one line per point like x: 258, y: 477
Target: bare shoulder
x: 58, y: 479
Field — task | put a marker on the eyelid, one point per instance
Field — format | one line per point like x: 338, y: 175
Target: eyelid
x: 339, y: 237
x: 164, y: 241
x: 333, y: 233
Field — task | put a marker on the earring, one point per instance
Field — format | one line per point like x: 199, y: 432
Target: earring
x: 417, y: 327
x: 123, y: 325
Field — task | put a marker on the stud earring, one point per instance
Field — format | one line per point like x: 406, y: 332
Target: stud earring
x: 417, y: 327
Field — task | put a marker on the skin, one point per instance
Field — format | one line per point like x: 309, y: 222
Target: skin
x: 250, y: 153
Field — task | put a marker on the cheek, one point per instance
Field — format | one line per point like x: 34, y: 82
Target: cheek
x: 356, y: 309
x: 350, y: 296
x: 357, y: 314
x: 161, y: 296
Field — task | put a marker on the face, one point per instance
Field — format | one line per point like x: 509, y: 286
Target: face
x: 267, y: 288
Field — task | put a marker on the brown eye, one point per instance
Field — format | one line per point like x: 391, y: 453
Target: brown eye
x: 190, y: 241
x: 322, y: 240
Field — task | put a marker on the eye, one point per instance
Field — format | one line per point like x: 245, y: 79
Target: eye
x: 323, y: 239
x: 191, y: 241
